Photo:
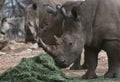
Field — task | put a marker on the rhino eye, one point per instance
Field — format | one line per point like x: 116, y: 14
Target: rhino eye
x: 70, y: 44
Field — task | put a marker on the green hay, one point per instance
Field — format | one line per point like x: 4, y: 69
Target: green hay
x: 37, y: 69
x: 41, y: 69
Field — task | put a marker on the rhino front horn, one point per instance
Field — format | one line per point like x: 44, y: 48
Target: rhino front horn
x: 45, y: 47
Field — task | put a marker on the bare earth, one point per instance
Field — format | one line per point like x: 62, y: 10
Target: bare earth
x: 14, y: 52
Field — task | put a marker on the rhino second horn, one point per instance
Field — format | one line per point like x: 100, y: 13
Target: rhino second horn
x: 43, y: 45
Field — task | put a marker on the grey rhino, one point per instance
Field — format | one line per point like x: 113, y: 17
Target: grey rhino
x: 93, y: 25
x: 38, y: 18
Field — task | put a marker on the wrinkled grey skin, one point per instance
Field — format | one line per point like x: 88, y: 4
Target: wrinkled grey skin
x: 93, y: 25
x: 39, y: 19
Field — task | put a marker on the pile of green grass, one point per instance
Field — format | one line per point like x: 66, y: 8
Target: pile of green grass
x: 40, y: 69
x: 37, y: 69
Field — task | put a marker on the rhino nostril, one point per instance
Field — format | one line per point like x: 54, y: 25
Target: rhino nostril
x: 62, y: 61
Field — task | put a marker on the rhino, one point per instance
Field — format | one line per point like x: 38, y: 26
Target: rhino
x: 38, y: 18
x: 92, y: 25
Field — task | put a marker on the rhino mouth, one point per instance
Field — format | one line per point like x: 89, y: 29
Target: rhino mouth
x: 62, y: 64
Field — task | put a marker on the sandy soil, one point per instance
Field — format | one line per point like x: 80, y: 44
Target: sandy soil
x: 14, y: 52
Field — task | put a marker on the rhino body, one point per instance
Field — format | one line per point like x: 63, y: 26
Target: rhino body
x: 93, y: 25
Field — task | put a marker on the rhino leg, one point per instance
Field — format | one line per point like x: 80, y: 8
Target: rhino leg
x: 113, y: 51
x: 76, y: 65
x: 92, y: 55
x: 85, y: 64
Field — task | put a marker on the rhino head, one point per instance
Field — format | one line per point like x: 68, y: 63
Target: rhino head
x: 71, y: 43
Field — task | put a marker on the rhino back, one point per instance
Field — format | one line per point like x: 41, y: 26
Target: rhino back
x: 107, y: 21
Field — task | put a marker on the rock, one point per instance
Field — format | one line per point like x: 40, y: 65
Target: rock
x: 3, y: 43
x: 2, y: 53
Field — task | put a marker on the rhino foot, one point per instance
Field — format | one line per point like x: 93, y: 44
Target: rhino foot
x: 112, y: 75
x: 89, y: 76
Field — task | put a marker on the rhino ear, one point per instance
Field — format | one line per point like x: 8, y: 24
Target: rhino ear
x: 58, y: 6
x: 34, y: 6
x: 63, y: 11
x: 75, y: 14
x: 50, y: 9
x: 77, y: 5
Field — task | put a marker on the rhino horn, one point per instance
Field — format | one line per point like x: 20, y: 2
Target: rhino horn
x: 58, y: 40
x: 47, y: 48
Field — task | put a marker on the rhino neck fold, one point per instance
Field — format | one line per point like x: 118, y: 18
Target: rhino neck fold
x: 89, y: 14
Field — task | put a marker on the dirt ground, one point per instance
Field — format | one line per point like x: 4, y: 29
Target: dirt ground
x: 15, y: 51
